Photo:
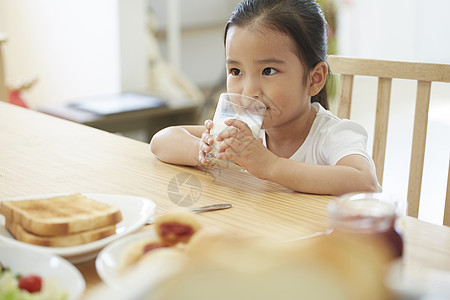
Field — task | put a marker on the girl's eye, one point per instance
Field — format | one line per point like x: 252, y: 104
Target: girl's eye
x: 235, y: 72
x: 269, y: 71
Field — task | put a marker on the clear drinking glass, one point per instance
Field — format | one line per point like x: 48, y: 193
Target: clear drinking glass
x: 235, y: 106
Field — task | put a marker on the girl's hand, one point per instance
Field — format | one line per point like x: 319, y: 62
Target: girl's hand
x: 240, y: 146
x: 205, y: 142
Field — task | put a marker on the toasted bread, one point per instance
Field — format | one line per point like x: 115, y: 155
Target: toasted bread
x: 60, y: 241
x: 61, y: 215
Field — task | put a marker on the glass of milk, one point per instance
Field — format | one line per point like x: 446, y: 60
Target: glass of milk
x: 235, y: 106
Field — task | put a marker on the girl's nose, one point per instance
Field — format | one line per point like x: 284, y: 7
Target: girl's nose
x: 252, y: 88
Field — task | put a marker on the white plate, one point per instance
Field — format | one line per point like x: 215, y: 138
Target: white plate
x: 108, y: 260
x: 48, y: 266
x: 138, y: 281
x: 135, y: 212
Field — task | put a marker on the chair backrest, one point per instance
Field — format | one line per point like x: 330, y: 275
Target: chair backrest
x: 385, y: 71
x: 3, y: 92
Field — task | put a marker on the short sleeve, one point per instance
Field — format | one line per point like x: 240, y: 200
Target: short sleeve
x: 344, y: 138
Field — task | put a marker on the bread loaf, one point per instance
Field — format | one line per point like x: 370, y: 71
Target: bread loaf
x: 61, y: 215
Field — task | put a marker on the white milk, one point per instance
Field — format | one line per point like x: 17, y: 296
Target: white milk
x: 254, y: 122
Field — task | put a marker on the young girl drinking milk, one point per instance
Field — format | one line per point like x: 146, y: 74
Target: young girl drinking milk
x: 276, y: 53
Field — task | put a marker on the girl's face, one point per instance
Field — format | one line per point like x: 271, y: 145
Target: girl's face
x: 262, y: 63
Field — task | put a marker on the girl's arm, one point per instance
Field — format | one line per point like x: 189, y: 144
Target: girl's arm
x: 353, y: 173
x: 178, y: 144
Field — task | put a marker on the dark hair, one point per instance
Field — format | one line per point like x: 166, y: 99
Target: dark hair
x: 302, y: 20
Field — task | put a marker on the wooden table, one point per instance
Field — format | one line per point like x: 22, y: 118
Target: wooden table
x: 41, y: 154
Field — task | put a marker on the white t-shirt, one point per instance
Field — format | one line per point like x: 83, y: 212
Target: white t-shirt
x: 330, y: 139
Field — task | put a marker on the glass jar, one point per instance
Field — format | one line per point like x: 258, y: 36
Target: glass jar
x: 367, y: 215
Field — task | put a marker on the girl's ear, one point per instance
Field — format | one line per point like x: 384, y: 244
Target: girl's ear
x: 318, y: 77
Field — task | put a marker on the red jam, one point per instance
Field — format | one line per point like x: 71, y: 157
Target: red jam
x: 176, y: 229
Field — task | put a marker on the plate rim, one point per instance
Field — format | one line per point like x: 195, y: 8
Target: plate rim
x: 148, y: 208
x: 99, y: 261
x: 50, y: 259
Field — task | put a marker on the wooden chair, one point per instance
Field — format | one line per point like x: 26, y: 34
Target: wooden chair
x: 385, y: 71
x: 3, y: 91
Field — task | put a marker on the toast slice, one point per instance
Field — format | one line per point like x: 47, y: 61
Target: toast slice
x: 61, y: 215
x: 60, y: 241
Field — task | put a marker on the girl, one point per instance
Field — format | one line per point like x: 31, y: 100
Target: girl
x: 276, y: 52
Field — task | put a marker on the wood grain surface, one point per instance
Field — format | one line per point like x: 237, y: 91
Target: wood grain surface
x: 41, y: 154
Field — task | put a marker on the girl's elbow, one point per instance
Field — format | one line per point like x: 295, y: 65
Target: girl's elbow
x: 156, y: 145
x: 370, y: 184
x: 372, y: 188
x: 158, y: 150
x: 364, y: 183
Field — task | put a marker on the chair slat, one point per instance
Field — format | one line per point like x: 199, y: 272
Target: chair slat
x: 447, y: 200
x: 418, y: 146
x: 345, y: 96
x: 381, y: 125
x: 385, y: 71
x: 389, y: 69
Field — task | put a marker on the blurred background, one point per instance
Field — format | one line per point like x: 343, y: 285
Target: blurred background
x: 78, y: 48
x: 59, y: 51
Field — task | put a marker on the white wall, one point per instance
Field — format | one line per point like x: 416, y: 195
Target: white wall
x: 85, y: 47
x: 133, y: 45
x: 414, y: 30
x: 70, y: 45
x: 82, y: 48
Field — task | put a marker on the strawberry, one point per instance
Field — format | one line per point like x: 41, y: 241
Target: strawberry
x: 31, y: 283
